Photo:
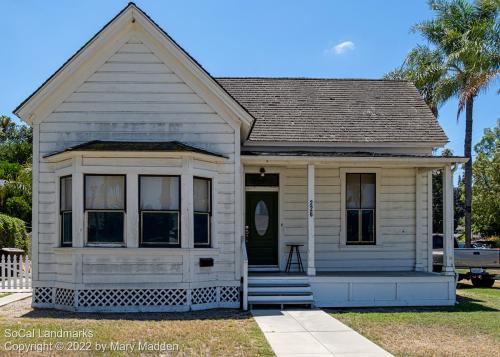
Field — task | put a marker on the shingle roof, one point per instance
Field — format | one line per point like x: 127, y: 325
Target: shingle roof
x: 161, y: 146
x: 335, y: 110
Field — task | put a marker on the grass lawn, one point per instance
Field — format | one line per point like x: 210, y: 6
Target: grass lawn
x: 204, y: 333
x: 471, y: 328
x: 4, y: 294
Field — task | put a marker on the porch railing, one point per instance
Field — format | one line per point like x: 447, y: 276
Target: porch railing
x: 15, y: 273
x: 244, y: 273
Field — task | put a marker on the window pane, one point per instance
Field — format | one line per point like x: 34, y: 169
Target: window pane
x: 66, y: 228
x: 66, y: 193
x: 261, y: 218
x: 353, y: 196
x: 159, y: 193
x: 201, y: 229
x: 259, y: 180
x: 160, y: 228
x: 104, y: 192
x: 352, y: 226
x: 201, y: 195
x: 368, y: 191
x: 105, y: 227
x: 368, y: 226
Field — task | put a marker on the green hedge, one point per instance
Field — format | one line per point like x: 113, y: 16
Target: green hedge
x: 13, y: 233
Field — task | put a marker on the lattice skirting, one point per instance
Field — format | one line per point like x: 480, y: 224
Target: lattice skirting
x: 137, y: 299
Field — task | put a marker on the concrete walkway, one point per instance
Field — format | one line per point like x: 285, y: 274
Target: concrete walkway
x: 312, y: 333
x: 13, y: 298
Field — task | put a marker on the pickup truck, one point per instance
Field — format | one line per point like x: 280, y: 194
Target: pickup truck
x: 480, y: 263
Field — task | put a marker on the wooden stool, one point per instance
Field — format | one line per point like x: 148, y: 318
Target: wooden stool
x: 290, y: 258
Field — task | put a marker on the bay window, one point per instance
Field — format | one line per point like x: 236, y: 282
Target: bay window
x: 159, y: 210
x: 104, y: 197
x: 66, y: 210
x: 360, y: 206
x: 202, y: 197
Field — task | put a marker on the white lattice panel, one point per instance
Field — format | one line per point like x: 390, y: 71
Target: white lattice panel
x: 132, y: 297
x: 201, y: 298
x: 65, y: 297
x: 229, y: 294
x: 204, y: 296
x: 42, y: 295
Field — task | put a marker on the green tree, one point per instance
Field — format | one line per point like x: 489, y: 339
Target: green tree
x: 15, y: 169
x: 486, y: 170
x: 461, y: 60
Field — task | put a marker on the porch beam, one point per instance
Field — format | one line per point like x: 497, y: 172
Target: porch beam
x: 311, y: 266
x: 448, y: 239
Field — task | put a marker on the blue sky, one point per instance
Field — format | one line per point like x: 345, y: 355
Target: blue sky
x: 234, y: 38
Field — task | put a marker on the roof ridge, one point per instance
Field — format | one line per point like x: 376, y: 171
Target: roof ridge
x: 315, y: 78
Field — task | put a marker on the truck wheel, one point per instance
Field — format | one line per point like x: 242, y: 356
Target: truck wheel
x: 483, y: 283
x: 488, y: 282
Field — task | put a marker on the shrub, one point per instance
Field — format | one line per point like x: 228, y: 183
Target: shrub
x: 13, y: 233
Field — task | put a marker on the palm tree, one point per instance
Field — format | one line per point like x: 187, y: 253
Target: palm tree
x: 462, y: 61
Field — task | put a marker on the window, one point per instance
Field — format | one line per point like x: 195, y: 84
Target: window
x: 270, y: 180
x: 202, y: 197
x: 65, y: 208
x: 159, y: 203
x: 105, y: 208
x: 360, y: 208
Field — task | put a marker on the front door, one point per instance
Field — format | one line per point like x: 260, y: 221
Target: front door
x: 262, y: 228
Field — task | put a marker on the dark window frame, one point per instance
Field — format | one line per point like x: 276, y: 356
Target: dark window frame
x: 209, y: 213
x: 123, y: 211
x: 360, y: 210
x: 178, y: 211
x: 63, y: 211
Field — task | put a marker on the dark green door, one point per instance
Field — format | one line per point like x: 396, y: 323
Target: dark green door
x: 262, y: 228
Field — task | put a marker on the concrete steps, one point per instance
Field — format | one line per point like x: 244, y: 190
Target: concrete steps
x: 279, y: 290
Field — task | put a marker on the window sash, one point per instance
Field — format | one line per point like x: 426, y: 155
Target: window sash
x: 66, y: 241
x: 208, y: 198
x: 169, y: 206
x: 205, y: 242
x: 114, y: 242
x: 152, y: 244
x: 359, y: 226
x: 121, y: 199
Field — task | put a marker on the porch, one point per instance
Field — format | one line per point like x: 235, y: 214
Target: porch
x: 352, y: 288
x: 393, y: 267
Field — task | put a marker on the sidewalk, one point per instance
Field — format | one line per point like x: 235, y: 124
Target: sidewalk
x: 13, y: 297
x: 312, y: 333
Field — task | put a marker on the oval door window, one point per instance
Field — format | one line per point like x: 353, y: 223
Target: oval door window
x: 261, y: 218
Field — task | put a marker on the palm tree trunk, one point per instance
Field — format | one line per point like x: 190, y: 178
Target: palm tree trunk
x: 468, y: 171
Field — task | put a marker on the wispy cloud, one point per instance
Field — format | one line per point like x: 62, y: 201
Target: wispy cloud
x: 341, y: 48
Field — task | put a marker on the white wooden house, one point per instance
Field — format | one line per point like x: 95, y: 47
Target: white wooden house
x: 158, y: 187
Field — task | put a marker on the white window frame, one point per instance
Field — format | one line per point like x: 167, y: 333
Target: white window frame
x: 86, y: 211
x: 142, y: 211
x: 210, y: 243
x: 343, y: 210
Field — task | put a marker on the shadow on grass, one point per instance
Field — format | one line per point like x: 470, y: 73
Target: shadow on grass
x: 215, y: 314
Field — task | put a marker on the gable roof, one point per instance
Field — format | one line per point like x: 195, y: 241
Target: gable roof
x: 133, y: 14
x: 312, y: 110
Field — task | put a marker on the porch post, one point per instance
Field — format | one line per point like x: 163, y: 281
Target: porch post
x: 311, y: 266
x: 448, y: 238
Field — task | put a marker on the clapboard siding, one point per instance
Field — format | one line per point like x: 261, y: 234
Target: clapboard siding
x: 133, y: 96
x: 397, y: 220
